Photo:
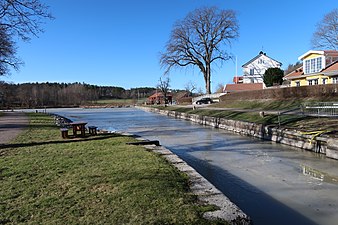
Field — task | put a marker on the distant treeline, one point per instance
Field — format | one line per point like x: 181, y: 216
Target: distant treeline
x: 31, y: 95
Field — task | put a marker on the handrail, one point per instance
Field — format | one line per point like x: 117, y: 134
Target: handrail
x: 321, y: 108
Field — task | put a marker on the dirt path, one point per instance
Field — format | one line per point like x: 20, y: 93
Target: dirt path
x: 11, y: 124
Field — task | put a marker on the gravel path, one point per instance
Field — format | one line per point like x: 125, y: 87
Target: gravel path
x: 11, y: 124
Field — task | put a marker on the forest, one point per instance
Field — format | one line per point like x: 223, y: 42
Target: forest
x: 40, y: 95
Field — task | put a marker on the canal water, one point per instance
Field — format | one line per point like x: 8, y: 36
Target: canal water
x: 272, y: 183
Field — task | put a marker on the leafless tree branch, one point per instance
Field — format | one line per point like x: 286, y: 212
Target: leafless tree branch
x: 326, y: 34
x: 22, y: 19
x: 200, y: 39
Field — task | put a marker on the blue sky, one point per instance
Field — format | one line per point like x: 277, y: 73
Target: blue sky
x: 118, y: 42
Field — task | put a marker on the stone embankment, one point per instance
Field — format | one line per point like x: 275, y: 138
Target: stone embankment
x: 311, y: 142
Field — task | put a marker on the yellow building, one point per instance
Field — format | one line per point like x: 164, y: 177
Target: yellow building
x: 319, y: 67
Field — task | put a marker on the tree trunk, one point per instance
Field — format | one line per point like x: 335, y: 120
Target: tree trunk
x: 207, y: 79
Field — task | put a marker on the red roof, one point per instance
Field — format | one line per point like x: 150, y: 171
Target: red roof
x: 332, y: 67
x: 296, y: 73
x: 331, y: 52
x: 243, y: 87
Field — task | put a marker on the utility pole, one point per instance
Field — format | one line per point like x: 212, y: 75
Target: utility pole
x: 236, y: 72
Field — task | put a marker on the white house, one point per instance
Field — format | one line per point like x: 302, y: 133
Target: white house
x: 254, y: 69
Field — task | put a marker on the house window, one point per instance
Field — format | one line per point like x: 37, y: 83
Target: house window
x: 324, y: 80
x: 319, y: 64
x: 252, y: 71
x: 297, y: 83
x: 307, y: 66
x: 313, y: 65
x: 313, y: 82
x: 335, y: 80
x: 316, y: 81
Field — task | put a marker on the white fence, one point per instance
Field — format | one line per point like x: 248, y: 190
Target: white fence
x: 321, y: 108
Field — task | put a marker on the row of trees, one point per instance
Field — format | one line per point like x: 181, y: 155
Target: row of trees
x: 32, y: 95
x: 199, y: 40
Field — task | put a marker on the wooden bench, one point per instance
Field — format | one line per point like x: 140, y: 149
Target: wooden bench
x: 92, y: 130
x: 64, y: 132
x: 79, y: 126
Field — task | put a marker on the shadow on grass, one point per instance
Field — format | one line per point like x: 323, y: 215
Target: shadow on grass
x: 68, y: 140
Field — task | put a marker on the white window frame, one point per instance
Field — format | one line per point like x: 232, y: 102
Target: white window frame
x: 316, y: 81
x: 318, y: 64
x: 313, y: 82
x: 335, y: 80
x: 313, y: 65
x: 307, y: 66
x: 324, y: 80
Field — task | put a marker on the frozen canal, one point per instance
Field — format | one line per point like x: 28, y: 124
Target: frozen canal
x: 273, y: 184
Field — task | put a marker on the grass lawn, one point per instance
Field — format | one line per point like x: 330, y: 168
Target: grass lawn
x: 97, y: 180
x: 261, y: 104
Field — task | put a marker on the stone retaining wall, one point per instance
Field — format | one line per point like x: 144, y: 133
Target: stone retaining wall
x: 324, y: 145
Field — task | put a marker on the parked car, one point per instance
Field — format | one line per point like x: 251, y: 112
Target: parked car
x: 204, y: 101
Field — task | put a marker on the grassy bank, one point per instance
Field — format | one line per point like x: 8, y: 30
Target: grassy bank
x: 262, y: 104
x: 292, y: 122
x: 269, y: 119
x: 96, y: 180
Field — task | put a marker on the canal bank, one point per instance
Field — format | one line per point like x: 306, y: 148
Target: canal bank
x: 207, y: 193
x: 307, y: 141
x: 271, y: 183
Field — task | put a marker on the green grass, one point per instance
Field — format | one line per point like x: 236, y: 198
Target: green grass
x: 253, y: 117
x: 97, y: 180
x: 261, y: 104
x: 296, y: 122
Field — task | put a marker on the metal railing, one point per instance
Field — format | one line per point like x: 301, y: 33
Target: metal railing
x: 321, y: 108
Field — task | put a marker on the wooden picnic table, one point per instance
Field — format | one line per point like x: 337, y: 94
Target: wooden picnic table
x: 79, y: 126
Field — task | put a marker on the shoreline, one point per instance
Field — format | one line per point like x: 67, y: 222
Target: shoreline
x: 311, y: 142
x: 207, y: 193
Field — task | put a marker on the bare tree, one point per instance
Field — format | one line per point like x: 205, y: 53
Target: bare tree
x: 326, y: 35
x: 164, y: 86
x: 190, y: 87
x: 292, y: 67
x: 219, y: 88
x: 7, y: 53
x: 199, y: 40
x: 18, y: 18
